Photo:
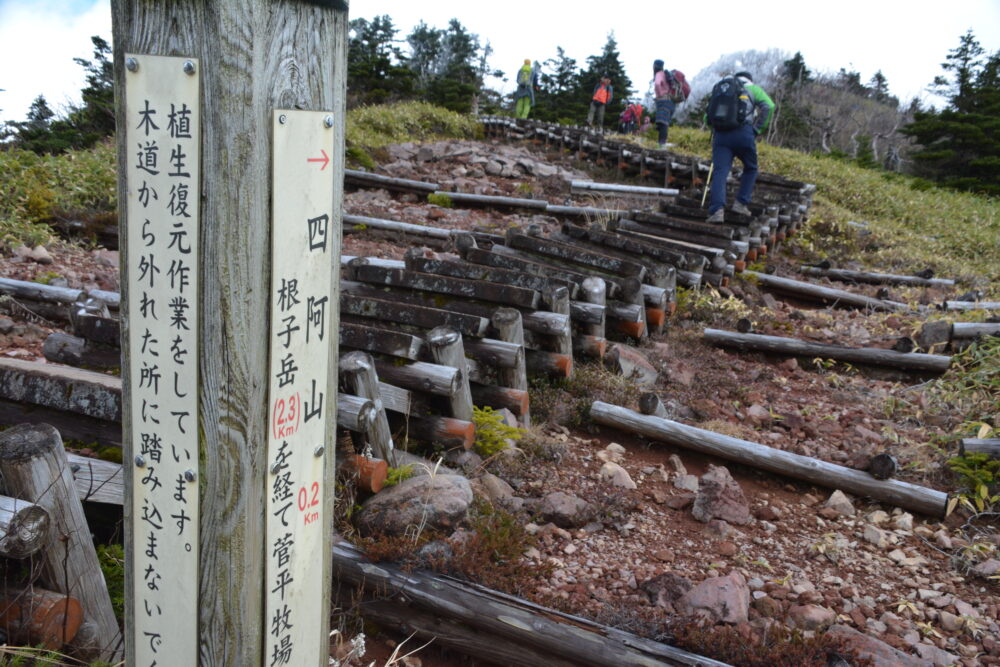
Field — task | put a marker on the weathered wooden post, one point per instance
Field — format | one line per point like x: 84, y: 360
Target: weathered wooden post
x: 230, y: 146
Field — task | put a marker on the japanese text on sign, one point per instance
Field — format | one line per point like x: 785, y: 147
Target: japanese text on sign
x: 162, y: 134
x: 301, y: 404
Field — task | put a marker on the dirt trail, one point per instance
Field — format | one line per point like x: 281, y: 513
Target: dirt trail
x: 899, y: 578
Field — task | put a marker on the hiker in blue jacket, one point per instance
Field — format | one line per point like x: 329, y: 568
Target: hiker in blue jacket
x: 740, y: 142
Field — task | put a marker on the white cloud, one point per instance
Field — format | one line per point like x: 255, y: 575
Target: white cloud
x: 38, y: 41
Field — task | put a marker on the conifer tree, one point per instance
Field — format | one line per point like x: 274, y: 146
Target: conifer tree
x: 960, y: 145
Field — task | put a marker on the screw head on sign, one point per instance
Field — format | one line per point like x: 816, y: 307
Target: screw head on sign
x: 328, y: 121
x: 282, y: 119
x: 189, y: 67
x: 190, y: 475
x: 319, y: 451
x: 131, y: 64
x: 275, y: 467
x: 140, y: 462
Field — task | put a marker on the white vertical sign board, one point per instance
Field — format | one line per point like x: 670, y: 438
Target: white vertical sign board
x: 163, y: 184
x: 301, y: 404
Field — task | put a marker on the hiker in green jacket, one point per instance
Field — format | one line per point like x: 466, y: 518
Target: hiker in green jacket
x: 527, y: 82
x: 739, y: 111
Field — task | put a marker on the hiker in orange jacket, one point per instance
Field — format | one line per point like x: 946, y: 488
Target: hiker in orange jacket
x: 604, y: 92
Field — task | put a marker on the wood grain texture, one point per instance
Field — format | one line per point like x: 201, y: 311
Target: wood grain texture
x: 255, y: 56
x: 902, y: 494
x: 34, y: 467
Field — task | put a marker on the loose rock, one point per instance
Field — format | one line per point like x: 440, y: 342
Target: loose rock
x: 720, y: 496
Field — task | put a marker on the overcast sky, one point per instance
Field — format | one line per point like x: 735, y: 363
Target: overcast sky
x: 908, y: 41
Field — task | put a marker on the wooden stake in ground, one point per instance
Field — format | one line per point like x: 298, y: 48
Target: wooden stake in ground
x: 902, y: 494
x: 34, y: 467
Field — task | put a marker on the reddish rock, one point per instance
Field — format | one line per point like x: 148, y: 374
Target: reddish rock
x: 720, y: 497
x: 665, y: 555
x: 768, y: 607
x: 878, y: 653
x: 727, y: 549
x: 766, y: 513
x: 679, y: 502
x: 811, y: 617
x: 722, y: 599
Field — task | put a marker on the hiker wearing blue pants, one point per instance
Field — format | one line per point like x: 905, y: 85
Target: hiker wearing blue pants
x: 739, y: 111
x: 740, y: 143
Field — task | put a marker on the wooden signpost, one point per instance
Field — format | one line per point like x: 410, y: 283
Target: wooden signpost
x: 234, y: 585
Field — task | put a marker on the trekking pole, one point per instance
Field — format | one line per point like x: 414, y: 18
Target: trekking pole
x: 708, y: 182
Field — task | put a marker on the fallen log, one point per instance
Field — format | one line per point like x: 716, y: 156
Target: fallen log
x: 875, y: 278
x: 494, y: 201
x: 971, y: 330
x: 361, y: 222
x: 37, y: 617
x: 367, y: 179
x: 988, y: 446
x: 585, y: 212
x: 971, y: 305
x: 24, y: 528
x: 581, y: 187
x: 493, y: 626
x: 836, y: 297
x: 902, y: 494
x: 908, y: 361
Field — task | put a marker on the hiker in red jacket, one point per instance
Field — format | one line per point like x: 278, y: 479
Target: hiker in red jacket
x: 603, y: 94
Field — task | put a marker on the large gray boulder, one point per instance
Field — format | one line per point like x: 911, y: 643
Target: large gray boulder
x: 433, y: 501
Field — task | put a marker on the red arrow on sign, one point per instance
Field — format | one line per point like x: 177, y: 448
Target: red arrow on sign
x: 325, y: 159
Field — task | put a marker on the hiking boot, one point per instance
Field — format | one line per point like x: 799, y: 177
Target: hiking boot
x: 742, y: 209
x: 717, y: 217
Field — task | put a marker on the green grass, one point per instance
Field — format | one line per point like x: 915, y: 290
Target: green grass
x: 373, y: 127
x: 38, y: 188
